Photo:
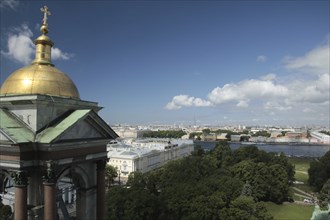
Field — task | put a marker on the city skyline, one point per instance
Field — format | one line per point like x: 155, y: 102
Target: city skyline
x: 213, y: 62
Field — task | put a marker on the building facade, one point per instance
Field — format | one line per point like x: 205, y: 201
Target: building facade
x: 146, y: 155
x: 320, y: 137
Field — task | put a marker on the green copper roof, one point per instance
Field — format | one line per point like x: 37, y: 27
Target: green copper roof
x: 319, y: 214
x: 52, y: 132
x: 17, y: 131
x: 14, y: 128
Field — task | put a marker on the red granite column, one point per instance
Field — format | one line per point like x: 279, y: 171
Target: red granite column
x: 50, y: 211
x: 100, y: 190
x: 20, y: 208
x: 49, y: 182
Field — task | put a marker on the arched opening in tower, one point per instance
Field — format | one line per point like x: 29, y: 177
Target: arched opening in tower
x: 7, y: 190
x: 66, y: 198
x: 74, y: 194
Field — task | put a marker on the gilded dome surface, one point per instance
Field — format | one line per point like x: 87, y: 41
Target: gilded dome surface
x: 39, y: 79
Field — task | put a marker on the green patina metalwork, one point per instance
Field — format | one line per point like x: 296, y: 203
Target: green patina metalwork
x: 18, y: 132
x: 52, y: 132
x: 14, y: 128
x: 319, y: 214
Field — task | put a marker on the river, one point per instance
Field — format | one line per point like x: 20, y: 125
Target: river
x: 300, y: 150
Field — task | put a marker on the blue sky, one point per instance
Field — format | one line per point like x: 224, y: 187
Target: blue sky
x: 204, y: 62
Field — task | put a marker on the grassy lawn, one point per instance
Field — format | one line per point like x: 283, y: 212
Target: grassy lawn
x: 301, y: 164
x: 290, y: 211
x: 304, y: 187
x: 301, y: 175
x: 301, y: 168
x: 293, y: 211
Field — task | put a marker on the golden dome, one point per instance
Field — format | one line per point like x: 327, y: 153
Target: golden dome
x: 41, y: 77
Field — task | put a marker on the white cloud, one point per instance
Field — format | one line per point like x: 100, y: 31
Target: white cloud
x: 276, y: 106
x: 310, y: 91
x: 243, y: 104
x: 22, y: 49
x: 20, y: 45
x: 241, y: 93
x: 274, y: 96
x: 268, y: 77
x: 299, y: 99
x: 315, y: 62
x: 180, y: 101
x: 9, y: 4
x: 261, y: 58
x: 246, y: 90
x: 307, y: 110
x: 57, y: 54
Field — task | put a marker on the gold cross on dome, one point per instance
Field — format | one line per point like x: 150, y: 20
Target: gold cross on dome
x: 46, y: 12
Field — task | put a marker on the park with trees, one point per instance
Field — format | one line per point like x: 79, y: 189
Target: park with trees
x: 218, y: 184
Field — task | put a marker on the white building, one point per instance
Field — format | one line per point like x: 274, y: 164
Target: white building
x: 129, y: 132
x: 146, y: 155
x: 320, y: 137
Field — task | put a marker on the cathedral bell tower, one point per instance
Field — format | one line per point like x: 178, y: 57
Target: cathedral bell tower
x: 52, y: 143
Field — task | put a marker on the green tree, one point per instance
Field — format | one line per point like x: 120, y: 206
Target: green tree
x: 141, y: 204
x: 284, y: 162
x: 324, y: 197
x: 261, y: 133
x: 222, y: 153
x: 325, y: 132
x: 192, y: 135
x: 165, y: 134
x: 206, y: 131
x: 278, y: 184
x: 244, y: 208
x: 152, y: 180
x: 198, y: 151
x: 247, y: 189
x: 319, y: 172
x: 205, y: 185
x: 132, y: 203
x: 136, y: 180
x: 206, y: 207
x: 111, y: 173
x: 268, y: 182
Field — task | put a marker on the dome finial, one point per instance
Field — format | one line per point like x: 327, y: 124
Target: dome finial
x: 44, y: 26
x: 43, y: 42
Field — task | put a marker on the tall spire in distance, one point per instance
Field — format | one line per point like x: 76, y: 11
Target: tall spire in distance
x: 43, y: 42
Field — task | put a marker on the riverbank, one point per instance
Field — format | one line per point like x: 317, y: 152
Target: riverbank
x: 303, y: 150
x: 280, y: 143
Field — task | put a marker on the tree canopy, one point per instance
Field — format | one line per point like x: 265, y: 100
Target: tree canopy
x: 111, y: 173
x: 325, y: 132
x: 220, y: 184
x: 164, y: 134
x: 261, y: 133
x: 325, y: 195
x: 319, y: 171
